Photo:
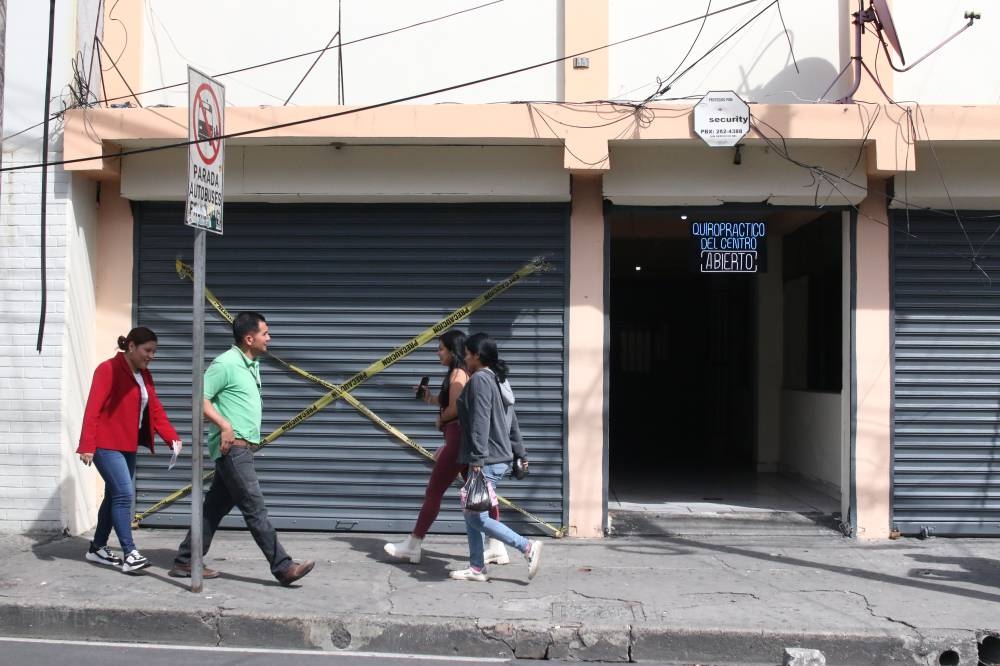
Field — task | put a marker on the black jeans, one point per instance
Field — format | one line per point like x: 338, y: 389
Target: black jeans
x: 235, y: 484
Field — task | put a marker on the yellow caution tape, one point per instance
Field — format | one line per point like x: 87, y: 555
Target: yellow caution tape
x: 405, y: 349
x: 338, y: 392
x: 400, y: 435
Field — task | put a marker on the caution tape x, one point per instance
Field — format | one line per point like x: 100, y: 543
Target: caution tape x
x: 342, y: 391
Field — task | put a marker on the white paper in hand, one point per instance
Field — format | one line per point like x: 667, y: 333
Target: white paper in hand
x: 176, y: 446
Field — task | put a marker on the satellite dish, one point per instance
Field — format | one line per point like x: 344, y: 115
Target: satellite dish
x: 885, y: 23
x: 879, y: 15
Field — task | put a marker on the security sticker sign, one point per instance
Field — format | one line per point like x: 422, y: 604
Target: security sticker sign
x: 721, y: 118
x: 206, y: 154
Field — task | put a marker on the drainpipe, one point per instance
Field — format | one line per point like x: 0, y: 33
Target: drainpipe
x: 3, y: 51
x: 45, y: 170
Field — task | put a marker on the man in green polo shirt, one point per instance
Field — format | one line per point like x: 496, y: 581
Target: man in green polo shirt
x: 234, y: 406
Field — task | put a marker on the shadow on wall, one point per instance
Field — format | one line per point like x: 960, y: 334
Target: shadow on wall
x: 80, y: 491
x: 48, y: 523
x: 498, y: 325
x: 81, y: 488
x: 789, y: 86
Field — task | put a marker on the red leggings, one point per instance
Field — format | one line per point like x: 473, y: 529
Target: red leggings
x: 446, y: 468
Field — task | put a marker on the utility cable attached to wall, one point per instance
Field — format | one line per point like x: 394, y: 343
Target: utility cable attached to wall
x: 107, y: 100
x: 379, y: 105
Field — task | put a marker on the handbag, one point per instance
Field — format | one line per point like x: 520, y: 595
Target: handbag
x: 519, y: 468
x: 476, y: 494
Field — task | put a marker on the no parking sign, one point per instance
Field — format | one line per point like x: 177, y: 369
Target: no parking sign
x: 206, y: 155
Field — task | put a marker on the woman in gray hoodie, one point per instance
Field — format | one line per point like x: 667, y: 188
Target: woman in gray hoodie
x: 490, y: 438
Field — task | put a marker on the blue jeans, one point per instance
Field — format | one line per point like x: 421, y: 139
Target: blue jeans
x: 117, y: 469
x: 478, y: 524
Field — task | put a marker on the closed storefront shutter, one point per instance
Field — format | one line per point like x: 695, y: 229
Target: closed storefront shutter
x: 946, y: 386
x: 341, y: 286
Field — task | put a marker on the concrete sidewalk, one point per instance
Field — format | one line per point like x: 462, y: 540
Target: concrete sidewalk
x: 684, y: 600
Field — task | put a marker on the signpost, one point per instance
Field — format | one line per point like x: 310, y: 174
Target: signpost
x: 721, y: 118
x: 206, y: 159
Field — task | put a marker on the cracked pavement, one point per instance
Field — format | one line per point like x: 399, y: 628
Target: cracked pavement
x: 698, y: 598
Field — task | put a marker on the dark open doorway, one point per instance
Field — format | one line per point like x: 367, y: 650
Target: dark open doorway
x: 724, y: 387
x: 682, y: 361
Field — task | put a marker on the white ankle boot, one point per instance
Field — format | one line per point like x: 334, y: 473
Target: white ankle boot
x: 496, y: 552
x: 406, y: 550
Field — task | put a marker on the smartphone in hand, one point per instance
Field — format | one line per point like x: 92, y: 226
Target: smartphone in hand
x: 422, y: 388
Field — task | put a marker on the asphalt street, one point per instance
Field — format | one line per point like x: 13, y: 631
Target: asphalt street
x: 41, y: 652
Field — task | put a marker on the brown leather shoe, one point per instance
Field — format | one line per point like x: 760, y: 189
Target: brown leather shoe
x: 184, y: 571
x: 295, y: 571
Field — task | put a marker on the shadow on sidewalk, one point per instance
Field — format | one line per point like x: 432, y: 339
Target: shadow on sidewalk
x: 433, y: 567
x: 59, y: 547
x: 981, y: 571
x: 978, y: 570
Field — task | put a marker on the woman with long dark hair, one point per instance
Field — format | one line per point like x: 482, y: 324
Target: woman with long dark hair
x: 122, y: 412
x: 491, y: 438
x: 451, y: 353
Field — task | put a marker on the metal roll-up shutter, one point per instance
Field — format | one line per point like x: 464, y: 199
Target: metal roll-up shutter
x: 341, y: 286
x: 946, y: 382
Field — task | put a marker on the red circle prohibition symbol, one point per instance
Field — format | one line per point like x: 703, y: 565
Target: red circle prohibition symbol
x: 203, y: 110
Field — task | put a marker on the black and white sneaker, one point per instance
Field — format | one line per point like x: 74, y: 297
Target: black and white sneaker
x: 134, y: 561
x: 103, y: 555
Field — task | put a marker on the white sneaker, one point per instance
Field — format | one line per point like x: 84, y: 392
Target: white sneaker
x: 103, y: 555
x: 534, y: 556
x: 405, y: 550
x: 134, y: 561
x: 470, y: 574
x: 496, y: 552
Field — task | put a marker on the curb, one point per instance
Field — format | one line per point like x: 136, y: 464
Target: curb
x: 473, y: 638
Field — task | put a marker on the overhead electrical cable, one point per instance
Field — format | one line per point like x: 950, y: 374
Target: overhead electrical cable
x: 120, y: 75
x: 914, y: 137
x: 93, y: 48
x: 830, y: 177
x: 309, y: 71
x: 341, y: 91
x: 378, y: 105
x: 694, y: 41
x: 670, y: 84
x: 788, y: 37
x: 111, y: 15
x: 106, y: 99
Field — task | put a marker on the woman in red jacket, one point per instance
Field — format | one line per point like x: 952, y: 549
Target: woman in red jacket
x: 122, y: 412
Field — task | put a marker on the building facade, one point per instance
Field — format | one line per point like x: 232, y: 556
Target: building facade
x: 374, y: 188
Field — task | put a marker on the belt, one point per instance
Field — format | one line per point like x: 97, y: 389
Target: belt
x: 242, y: 442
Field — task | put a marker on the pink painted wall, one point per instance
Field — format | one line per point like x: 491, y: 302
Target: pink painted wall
x: 585, y: 26
x: 114, y: 266
x: 873, y: 387
x: 586, y: 419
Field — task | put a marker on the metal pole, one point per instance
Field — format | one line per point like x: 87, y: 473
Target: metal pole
x: 197, y: 407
